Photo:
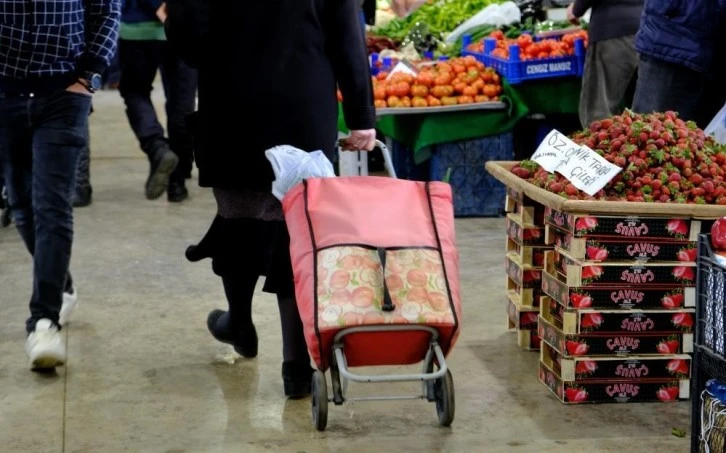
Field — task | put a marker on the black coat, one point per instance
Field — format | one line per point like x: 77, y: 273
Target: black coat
x: 267, y: 76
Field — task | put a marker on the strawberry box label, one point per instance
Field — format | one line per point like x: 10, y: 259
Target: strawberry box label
x: 616, y: 368
x: 598, y: 344
x: 521, y: 276
x: 623, y: 391
x: 521, y: 317
x: 585, y: 273
x: 624, y: 227
x: 524, y: 234
x: 601, y: 250
x: 617, y: 296
x: 529, y: 340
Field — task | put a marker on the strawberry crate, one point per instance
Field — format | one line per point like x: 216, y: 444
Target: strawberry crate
x: 529, y: 340
x: 589, y: 320
x: 529, y: 255
x: 522, y: 275
x: 588, y: 273
x: 616, y: 368
x: 521, y: 317
x: 531, y: 212
x: 614, y: 296
x: 528, y: 297
x: 582, y: 225
x: 607, y: 391
x: 516, y: 71
x: 616, y: 249
x: 522, y: 233
x: 601, y: 344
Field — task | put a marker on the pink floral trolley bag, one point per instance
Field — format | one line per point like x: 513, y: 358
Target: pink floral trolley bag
x: 377, y: 282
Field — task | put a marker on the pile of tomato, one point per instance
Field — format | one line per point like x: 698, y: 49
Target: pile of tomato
x: 457, y: 81
x: 531, y: 49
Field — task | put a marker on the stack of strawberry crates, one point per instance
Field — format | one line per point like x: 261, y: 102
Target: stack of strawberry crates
x: 525, y: 253
x: 617, y: 317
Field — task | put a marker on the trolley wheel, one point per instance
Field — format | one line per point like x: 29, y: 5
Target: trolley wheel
x: 319, y: 392
x: 445, y: 401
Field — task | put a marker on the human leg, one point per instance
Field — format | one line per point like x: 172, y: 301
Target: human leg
x: 296, y: 370
x: 83, y: 192
x: 140, y: 61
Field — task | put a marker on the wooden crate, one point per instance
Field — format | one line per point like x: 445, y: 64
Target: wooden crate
x: 529, y: 255
x: 522, y: 275
x: 521, y: 317
x: 528, y: 297
x: 522, y: 233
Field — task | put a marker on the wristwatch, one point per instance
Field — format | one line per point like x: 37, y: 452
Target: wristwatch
x: 93, y: 81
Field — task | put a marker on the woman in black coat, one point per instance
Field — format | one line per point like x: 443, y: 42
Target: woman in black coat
x: 268, y: 73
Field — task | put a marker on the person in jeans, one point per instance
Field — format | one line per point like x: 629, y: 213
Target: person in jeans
x: 682, y: 58
x: 144, y: 51
x: 611, y: 63
x: 45, y: 99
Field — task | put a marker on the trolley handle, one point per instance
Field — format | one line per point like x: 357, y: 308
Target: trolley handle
x: 387, y: 159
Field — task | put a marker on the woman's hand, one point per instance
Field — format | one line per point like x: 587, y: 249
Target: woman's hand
x: 574, y: 20
x: 363, y: 140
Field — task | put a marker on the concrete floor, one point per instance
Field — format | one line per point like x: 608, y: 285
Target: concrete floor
x: 144, y: 375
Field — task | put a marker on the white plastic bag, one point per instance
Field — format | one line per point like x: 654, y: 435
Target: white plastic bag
x: 498, y: 15
x: 717, y: 127
x: 291, y: 165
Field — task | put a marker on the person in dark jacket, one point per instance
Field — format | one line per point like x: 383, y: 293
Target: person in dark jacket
x: 143, y: 51
x: 681, y: 46
x: 281, y: 90
x: 52, y: 55
x: 612, y: 62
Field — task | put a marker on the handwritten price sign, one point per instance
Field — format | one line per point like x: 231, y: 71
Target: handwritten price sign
x: 583, y: 167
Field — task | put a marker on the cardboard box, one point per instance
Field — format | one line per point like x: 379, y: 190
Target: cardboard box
x: 582, y: 225
x: 601, y: 344
x: 608, y: 249
x: 521, y: 317
x: 615, y: 368
x: 522, y: 233
x: 615, y: 296
x: 529, y: 255
x: 587, y: 273
x: 616, y: 322
x: 625, y: 391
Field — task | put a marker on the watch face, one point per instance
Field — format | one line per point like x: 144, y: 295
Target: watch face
x: 96, y: 81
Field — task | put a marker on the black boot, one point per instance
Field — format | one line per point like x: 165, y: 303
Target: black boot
x: 82, y: 197
x: 243, y: 338
x: 297, y: 377
x: 163, y: 162
x: 177, y: 192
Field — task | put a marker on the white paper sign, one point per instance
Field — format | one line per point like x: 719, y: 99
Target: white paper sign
x: 404, y: 67
x: 583, y: 167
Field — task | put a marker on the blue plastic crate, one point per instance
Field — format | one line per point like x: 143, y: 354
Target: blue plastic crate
x: 403, y: 163
x: 516, y: 71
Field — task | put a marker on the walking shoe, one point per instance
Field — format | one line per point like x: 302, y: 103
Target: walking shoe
x: 163, y: 163
x: 82, y: 197
x: 45, y: 347
x: 243, y: 339
x: 177, y: 192
x: 70, y: 302
x: 297, y: 378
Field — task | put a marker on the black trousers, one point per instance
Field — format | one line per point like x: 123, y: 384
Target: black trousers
x: 140, y: 61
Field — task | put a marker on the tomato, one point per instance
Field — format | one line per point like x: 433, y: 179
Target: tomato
x: 489, y: 90
x: 448, y: 90
x: 401, y: 89
x: 459, y: 87
x: 425, y: 79
x: 438, y: 91
x: 470, y: 91
x: 495, y: 78
x: 444, y: 67
x: 443, y: 79
x: 465, y: 100
x: 497, y: 34
x: 393, y: 101
x: 524, y: 40
x: 406, y: 101
x: 481, y: 98
x: 448, y: 100
x: 486, y: 76
x: 391, y: 90
x: 380, y: 104
x: 478, y: 85
x: 379, y: 93
x: 470, y: 61
x: 458, y: 68
x: 419, y: 102
x: 419, y: 91
x: 433, y: 102
x: 383, y: 75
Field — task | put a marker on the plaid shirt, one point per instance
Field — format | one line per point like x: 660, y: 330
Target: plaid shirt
x: 47, y: 38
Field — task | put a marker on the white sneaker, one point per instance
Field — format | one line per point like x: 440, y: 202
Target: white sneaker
x: 70, y: 302
x: 45, y: 346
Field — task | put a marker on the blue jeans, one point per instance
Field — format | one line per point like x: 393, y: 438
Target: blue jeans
x: 40, y: 141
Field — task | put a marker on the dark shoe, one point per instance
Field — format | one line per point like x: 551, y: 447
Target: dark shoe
x: 177, y: 192
x: 296, y: 377
x: 5, y: 219
x: 163, y: 163
x: 244, y: 339
x: 82, y: 197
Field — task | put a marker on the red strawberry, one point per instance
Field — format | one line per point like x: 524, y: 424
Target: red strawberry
x: 597, y: 253
x: 585, y: 302
x: 586, y: 367
x: 668, y: 302
x: 538, y: 259
x: 591, y: 320
x: 678, y: 366
x: 683, y: 273
x: 664, y: 394
x: 692, y: 254
x: 683, y: 255
x: 586, y: 223
x: 577, y: 348
x: 668, y: 346
x: 674, y: 392
x: 677, y: 226
x: 529, y: 318
x: 682, y: 320
x: 677, y: 299
x: 575, y: 395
